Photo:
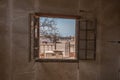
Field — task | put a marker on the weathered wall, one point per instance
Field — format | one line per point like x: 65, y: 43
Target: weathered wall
x: 4, y: 42
x: 16, y: 63
x: 110, y: 23
x: 17, y: 46
x: 22, y: 69
x: 14, y: 37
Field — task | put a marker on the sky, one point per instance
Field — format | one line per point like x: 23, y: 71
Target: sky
x: 66, y: 27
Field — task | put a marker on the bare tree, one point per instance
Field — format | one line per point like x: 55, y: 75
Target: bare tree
x: 48, y: 29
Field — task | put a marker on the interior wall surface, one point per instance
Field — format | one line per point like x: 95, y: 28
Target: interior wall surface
x: 4, y: 42
x: 21, y: 68
x: 14, y: 37
x: 110, y: 49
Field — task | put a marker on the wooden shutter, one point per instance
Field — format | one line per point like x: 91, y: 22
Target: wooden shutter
x: 34, y: 36
x: 87, y: 39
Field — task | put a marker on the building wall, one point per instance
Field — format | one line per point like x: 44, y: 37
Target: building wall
x: 109, y: 21
x: 14, y: 37
x: 4, y: 42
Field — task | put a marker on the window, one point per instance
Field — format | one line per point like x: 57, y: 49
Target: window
x: 55, y: 37
x: 87, y: 39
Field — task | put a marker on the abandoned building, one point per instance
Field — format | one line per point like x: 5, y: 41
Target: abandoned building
x: 90, y: 52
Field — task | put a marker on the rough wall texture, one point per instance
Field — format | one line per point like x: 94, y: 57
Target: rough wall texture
x: 14, y: 40
x: 4, y: 42
x: 110, y: 17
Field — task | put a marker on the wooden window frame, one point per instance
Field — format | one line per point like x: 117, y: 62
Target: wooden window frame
x: 34, y: 38
x: 34, y: 42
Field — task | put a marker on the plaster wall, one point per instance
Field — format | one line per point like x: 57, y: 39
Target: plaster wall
x: 14, y: 41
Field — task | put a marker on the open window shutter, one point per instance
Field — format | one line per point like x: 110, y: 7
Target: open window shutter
x: 34, y: 36
x: 87, y: 39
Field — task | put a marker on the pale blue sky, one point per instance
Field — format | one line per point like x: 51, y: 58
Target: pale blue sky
x: 66, y: 27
